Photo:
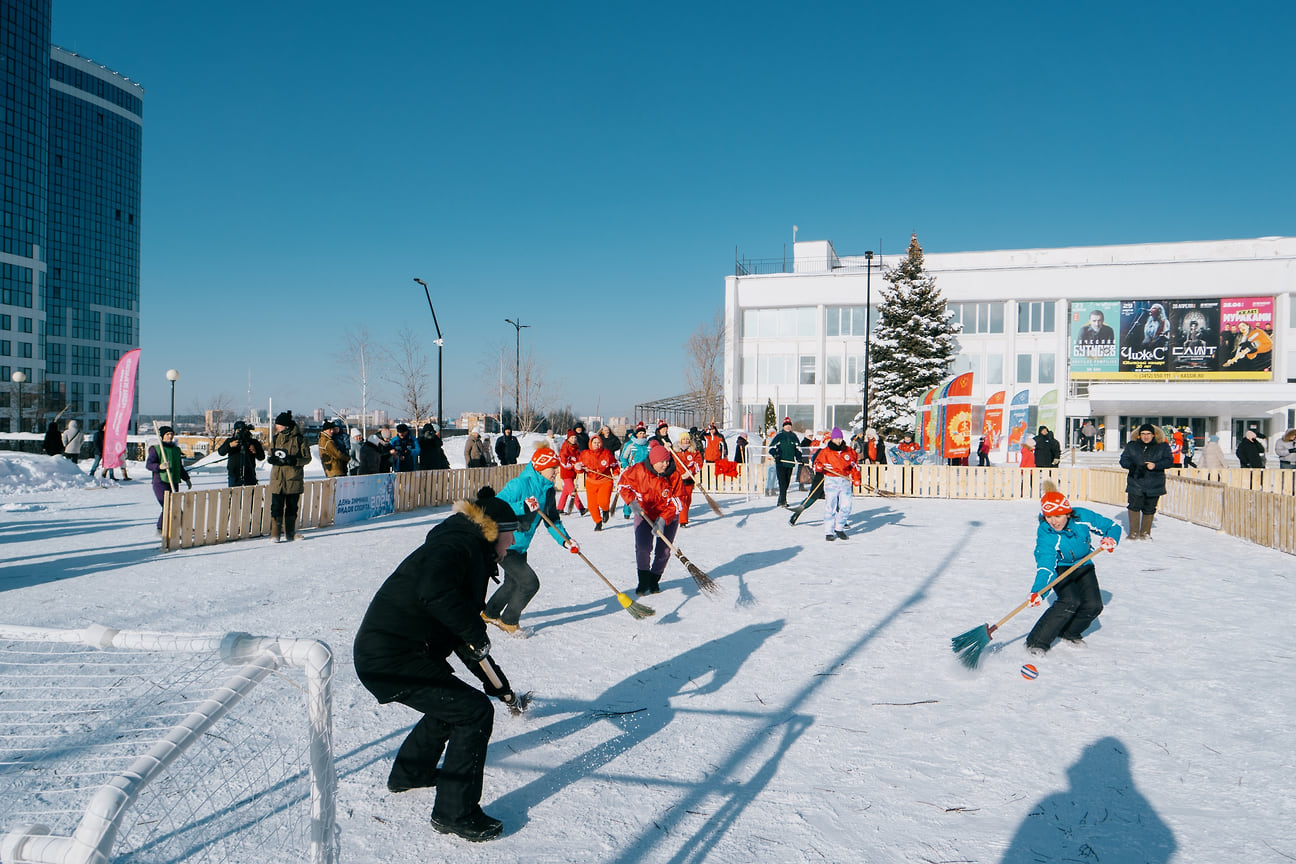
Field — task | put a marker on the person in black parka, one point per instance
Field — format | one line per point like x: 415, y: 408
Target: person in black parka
x: 507, y: 447
x: 429, y: 608
x: 1146, y: 457
x: 1048, y: 452
x: 431, y: 452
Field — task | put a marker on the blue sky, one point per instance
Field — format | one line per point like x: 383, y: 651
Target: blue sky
x: 591, y: 167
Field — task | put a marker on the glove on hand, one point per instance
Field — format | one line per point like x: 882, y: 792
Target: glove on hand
x: 477, y: 653
x: 1035, y: 599
x: 1108, y: 544
x: 570, y: 545
x: 532, y: 504
x: 659, y: 525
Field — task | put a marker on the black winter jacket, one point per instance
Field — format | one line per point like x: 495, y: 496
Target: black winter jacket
x: 1048, y: 452
x: 1134, y: 459
x: 507, y: 449
x: 428, y: 607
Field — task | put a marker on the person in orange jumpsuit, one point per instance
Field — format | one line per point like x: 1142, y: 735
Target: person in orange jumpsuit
x: 600, y: 467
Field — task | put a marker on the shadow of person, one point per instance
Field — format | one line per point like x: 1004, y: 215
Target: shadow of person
x: 638, y: 708
x: 1101, y: 817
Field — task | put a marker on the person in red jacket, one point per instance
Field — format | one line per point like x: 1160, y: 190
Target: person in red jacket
x: 600, y: 467
x: 654, y: 498
x: 714, y: 447
x: 838, y: 464
x: 687, y: 457
x: 568, y: 462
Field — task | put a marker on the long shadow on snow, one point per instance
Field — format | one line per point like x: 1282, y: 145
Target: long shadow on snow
x: 1101, y: 817
x: 722, y: 781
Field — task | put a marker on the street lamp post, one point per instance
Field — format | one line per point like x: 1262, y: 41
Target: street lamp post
x: 439, y: 343
x: 19, y: 378
x: 868, y: 330
x: 517, y: 369
x: 173, y: 376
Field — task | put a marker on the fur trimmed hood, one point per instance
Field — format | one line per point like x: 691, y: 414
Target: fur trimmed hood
x: 476, y: 515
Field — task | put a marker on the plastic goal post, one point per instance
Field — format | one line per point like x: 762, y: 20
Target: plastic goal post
x: 151, y: 747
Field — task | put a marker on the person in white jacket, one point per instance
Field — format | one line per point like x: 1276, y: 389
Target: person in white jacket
x: 72, y: 439
x: 1285, y: 449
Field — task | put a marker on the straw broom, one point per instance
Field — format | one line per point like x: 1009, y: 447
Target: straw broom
x: 704, y: 582
x: 636, y: 609
x: 968, y: 645
x: 711, y: 502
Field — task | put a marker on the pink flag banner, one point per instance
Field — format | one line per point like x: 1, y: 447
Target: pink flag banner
x: 121, y: 403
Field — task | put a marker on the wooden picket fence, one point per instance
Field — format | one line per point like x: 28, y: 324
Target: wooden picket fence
x: 208, y: 516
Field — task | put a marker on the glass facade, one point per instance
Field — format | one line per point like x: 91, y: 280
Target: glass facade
x: 70, y: 247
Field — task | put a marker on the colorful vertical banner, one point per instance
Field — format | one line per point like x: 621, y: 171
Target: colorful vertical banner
x: 121, y: 403
x: 1018, y: 417
x: 1246, y: 337
x: 992, y: 425
x: 954, y: 422
x: 1048, y: 410
x: 926, y: 437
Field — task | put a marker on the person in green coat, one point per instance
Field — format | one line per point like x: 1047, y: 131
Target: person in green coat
x: 289, y: 454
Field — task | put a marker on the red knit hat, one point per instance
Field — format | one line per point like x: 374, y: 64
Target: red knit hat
x: 658, y: 453
x: 1055, y: 504
x: 787, y: 421
x: 543, y: 458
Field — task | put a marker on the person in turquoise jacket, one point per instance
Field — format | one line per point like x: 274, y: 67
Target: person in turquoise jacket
x: 1063, y: 538
x: 526, y: 493
x: 634, y: 451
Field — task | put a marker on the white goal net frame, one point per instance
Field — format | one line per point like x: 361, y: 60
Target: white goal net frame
x: 121, y: 745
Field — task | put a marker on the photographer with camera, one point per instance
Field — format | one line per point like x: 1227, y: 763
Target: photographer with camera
x: 289, y: 454
x: 242, y: 452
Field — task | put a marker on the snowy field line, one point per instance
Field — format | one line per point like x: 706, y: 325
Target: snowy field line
x: 812, y: 712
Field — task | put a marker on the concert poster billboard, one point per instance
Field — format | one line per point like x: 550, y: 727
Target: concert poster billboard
x: 1202, y: 339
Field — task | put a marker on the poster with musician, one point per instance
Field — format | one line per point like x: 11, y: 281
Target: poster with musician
x: 1145, y: 338
x: 1093, y: 339
x: 1194, y: 336
x: 1246, y: 337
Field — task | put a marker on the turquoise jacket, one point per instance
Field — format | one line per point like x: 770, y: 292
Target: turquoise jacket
x: 1057, y: 550
x: 634, y: 451
x: 531, y: 484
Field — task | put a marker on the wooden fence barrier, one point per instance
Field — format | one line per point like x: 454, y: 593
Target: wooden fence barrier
x: 208, y: 516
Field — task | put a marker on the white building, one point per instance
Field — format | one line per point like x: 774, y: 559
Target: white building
x: 797, y: 337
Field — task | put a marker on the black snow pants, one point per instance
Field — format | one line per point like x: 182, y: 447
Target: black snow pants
x: 1077, y: 604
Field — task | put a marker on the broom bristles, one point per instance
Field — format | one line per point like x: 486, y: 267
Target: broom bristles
x: 640, y: 611
x: 703, y: 581
x: 968, y: 645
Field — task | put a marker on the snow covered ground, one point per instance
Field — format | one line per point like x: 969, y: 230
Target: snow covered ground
x: 812, y: 712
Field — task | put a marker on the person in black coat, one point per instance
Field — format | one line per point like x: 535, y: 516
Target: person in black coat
x: 507, y: 447
x: 1146, y: 457
x: 611, y: 442
x: 429, y: 608
x: 242, y: 452
x: 1048, y: 452
x: 431, y: 454
x: 53, y: 443
x: 582, y: 438
x: 1251, y: 451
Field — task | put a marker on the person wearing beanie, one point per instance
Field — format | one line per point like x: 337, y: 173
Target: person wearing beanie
x: 531, y: 491
x: 1063, y: 537
x: 1048, y: 451
x: 689, y: 461
x: 507, y: 447
x: 714, y: 446
x: 568, y: 460
x: 167, y: 465
x: 476, y: 453
x: 404, y: 450
x: 599, y: 466
x: 332, y: 456
x: 633, y: 452
x: 582, y: 437
x: 662, y: 436
x: 426, y: 610
x: 653, y: 495
x: 242, y: 451
x: 431, y: 452
x: 289, y: 454
x: 1146, y: 457
x: 785, y: 448
x: 838, y: 465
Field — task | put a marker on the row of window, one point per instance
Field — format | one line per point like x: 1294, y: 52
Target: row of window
x: 24, y: 349
x: 799, y: 322
x: 24, y: 324
x: 789, y: 370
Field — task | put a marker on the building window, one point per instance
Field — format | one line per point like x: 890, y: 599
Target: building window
x: 24, y: 325
x: 6, y: 322
x: 748, y: 371
x: 1035, y: 317
x: 833, y: 370
x: 5, y: 349
x: 25, y: 349
x: 807, y: 369
x: 777, y: 370
x: 1023, y: 368
x: 843, y: 416
x: 847, y: 320
x: 855, y: 369
x: 978, y: 317
x: 1046, y: 368
x: 794, y: 323
x: 994, y: 369
x: 964, y: 363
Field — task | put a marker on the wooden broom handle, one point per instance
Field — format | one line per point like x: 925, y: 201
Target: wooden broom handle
x: 1065, y: 573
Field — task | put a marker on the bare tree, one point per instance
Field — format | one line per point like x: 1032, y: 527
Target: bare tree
x: 704, y: 373
x: 215, y: 410
x: 525, y: 385
x: 408, y: 373
x: 364, y: 360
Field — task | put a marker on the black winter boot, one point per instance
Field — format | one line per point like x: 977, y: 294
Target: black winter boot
x: 647, y: 583
x: 476, y: 826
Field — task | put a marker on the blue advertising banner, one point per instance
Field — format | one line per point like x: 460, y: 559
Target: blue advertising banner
x: 365, y: 497
x: 1018, y: 415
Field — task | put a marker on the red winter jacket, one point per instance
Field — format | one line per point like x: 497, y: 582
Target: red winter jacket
x: 692, y: 460
x: 658, y: 496
x: 715, y: 448
x: 837, y: 463
x: 600, y: 464
x: 568, y: 458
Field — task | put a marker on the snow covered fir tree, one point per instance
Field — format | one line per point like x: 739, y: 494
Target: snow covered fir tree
x: 913, y: 345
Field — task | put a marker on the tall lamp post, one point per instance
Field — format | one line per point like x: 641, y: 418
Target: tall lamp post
x: 173, y: 376
x: 19, y: 378
x: 517, y: 369
x: 868, y: 331
x: 439, y: 343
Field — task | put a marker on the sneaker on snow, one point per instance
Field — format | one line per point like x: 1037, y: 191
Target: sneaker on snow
x: 476, y: 826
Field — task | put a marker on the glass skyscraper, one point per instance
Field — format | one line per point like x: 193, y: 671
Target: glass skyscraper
x: 69, y: 249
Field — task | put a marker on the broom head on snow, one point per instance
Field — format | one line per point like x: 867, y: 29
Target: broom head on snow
x: 636, y: 609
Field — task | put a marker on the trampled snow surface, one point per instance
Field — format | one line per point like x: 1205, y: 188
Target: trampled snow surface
x: 813, y: 711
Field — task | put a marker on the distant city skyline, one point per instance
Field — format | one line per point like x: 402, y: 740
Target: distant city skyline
x: 594, y: 169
